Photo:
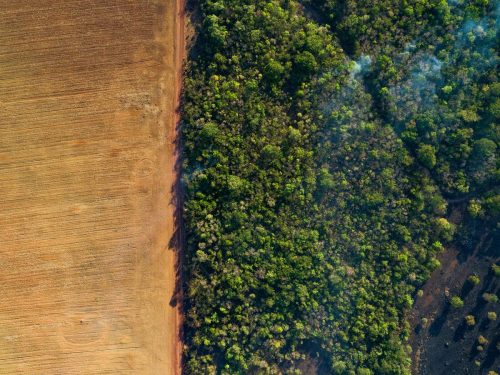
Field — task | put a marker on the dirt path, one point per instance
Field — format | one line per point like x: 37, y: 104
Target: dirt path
x: 88, y: 96
x: 180, y: 54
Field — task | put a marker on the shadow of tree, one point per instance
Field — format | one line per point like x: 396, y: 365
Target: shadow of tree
x: 466, y: 289
x: 177, y: 242
x: 460, y: 332
x: 437, y: 324
x: 493, y: 352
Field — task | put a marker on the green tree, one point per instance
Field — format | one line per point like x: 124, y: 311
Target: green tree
x: 474, y: 279
x: 456, y: 302
x: 470, y: 320
x: 482, y: 340
x: 445, y: 229
x: 489, y: 297
x: 427, y: 155
x: 496, y: 269
x: 274, y: 71
x: 474, y: 208
x: 305, y: 65
x: 483, y: 160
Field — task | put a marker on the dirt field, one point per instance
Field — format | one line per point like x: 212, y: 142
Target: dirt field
x: 87, y: 155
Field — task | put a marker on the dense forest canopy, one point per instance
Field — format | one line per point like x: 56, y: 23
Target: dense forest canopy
x: 325, y: 142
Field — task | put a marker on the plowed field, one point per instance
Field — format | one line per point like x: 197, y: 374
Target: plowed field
x: 87, y: 232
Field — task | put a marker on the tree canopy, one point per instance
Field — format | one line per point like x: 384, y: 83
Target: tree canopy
x: 319, y: 158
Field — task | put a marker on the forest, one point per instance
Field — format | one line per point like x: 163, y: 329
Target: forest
x: 325, y: 143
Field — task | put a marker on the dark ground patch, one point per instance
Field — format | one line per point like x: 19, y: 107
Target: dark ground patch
x: 445, y: 345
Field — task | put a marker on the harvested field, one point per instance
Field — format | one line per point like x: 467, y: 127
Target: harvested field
x: 88, y: 91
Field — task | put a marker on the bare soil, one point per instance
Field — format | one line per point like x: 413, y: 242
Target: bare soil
x: 445, y: 344
x: 88, y: 176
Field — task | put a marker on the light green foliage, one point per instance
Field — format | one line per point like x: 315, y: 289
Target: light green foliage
x: 474, y: 208
x: 456, y: 302
x: 474, y: 279
x: 445, y: 229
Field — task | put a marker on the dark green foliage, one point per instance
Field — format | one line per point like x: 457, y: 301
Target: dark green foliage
x: 427, y: 155
x: 483, y: 163
x: 370, y: 25
x: 313, y: 206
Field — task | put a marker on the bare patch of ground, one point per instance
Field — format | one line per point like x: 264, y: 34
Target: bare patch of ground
x: 88, y: 95
x: 442, y: 342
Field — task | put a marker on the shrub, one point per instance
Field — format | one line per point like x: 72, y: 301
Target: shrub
x: 496, y: 269
x: 470, y: 320
x: 492, y: 316
x: 456, y: 302
x: 474, y: 279
x: 474, y: 208
x: 489, y: 297
x: 482, y: 340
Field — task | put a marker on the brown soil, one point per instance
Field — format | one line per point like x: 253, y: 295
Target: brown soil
x: 88, y: 96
